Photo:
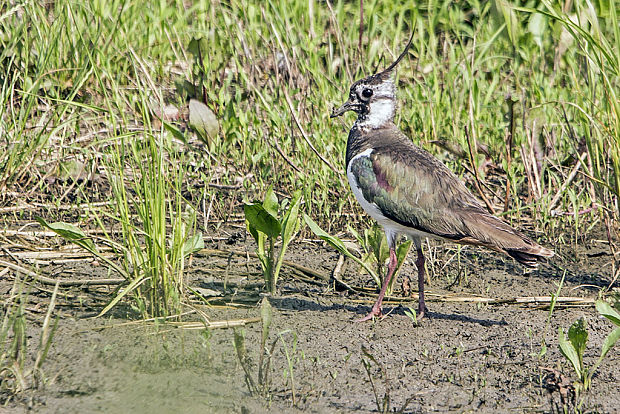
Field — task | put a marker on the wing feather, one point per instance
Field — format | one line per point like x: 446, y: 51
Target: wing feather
x: 411, y: 187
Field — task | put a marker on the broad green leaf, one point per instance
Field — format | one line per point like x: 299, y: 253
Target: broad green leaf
x: 610, y: 341
x: 69, y: 232
x: 297, y: 221
x: 193, y: 244
x: 578, y: 336
x: 608, y: 311
x: 333, y: 241
x: 284, y: 205
x: 569, y: 352
x: 510, y: 19
x: 203, y: 120
x: 537, y: 25
x: 378, y: 243
x: 271, y: 202
x: 176, y: 132
x: 263, y: 259
x: 260, y: 245
x: 75, y: 235
x: 198, y: 47
x: 401, y: 253
x: 289, y: 223
x: 252, y: 230
x: 261, y: 220
x: 357, y: 236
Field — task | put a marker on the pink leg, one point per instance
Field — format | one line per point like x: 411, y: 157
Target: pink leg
x: 376, y: 309
x: 420, y: 265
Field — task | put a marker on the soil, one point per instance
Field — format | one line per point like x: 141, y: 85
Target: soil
x: 465, y: 357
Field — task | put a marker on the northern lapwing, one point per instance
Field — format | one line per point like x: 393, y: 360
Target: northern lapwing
x: 410, y: 192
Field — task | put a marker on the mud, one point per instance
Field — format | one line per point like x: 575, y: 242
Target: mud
x: 465, y: 357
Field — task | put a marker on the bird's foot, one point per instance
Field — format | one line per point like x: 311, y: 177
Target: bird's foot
x: 422, y: 312
x: 374, y: 313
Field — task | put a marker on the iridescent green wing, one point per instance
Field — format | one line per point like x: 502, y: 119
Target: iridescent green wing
x: 414, y: 189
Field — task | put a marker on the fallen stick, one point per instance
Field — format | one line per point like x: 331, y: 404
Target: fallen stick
x: 434, y: 297
x: 574, y: 300
x: 67, y: 282
x: 301, y: 268
x: 215, y: 324
x: 93, y: 282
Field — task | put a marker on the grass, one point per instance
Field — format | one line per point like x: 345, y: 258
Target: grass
x: 20, y: 362
x: 521, y: 100
x: 76, y: 93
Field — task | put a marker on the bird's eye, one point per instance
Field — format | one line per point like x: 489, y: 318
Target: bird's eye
x: 367, y: 93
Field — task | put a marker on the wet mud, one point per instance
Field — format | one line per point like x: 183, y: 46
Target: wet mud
x: 467, y: 356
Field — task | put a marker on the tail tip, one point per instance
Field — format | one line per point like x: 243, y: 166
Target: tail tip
x: 532, y: 257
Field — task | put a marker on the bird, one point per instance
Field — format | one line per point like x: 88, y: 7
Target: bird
x: 409, y: 192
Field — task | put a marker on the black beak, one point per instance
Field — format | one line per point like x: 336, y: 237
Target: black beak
x: 347, y: 106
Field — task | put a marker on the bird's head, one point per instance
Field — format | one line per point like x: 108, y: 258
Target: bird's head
x: 373, y: 98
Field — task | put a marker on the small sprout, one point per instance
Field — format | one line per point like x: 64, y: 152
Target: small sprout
x: 412, y: 315
x: 574, y: 347
x: 265, y: 227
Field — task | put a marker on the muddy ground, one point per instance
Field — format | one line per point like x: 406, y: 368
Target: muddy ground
x: 466, y: 357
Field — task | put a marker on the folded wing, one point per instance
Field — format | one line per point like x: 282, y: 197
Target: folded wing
x: 411, y: 187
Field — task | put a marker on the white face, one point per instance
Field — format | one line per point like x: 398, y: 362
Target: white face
x: 381, y: 90
x: 381, y: 103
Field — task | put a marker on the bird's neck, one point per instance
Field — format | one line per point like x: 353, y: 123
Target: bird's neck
x: 356, y: 143
x: 379, y: 113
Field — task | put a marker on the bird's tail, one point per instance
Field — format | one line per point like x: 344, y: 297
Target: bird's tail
x: 492, y: 232
x: 531, y: 257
